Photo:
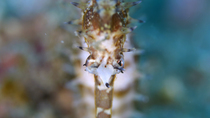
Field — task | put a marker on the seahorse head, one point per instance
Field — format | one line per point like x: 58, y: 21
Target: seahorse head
x: 104, y: 28
x: 105, y: 60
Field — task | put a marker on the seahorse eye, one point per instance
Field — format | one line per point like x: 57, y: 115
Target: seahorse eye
x: 87, y: 62
x: 91, y: 63
x: 120, y: 62
x: 119, y: 65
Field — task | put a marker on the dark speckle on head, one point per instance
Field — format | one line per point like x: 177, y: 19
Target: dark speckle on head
x: 80, y: 47
x: 129, y: 50
x: 107, y: 85
x: 75, y: 4
x: 135, y: 3
x: 69, y: 22
x: 80, y: 32
x: 132, y: 28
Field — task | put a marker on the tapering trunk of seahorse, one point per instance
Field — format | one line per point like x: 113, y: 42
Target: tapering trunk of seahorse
x: 103, y: 98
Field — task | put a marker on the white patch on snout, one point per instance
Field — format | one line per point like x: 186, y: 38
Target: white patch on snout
x: 108, y: 111
x: 105, y: 71
x: 99, y: 109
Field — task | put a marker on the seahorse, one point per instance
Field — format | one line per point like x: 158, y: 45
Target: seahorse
x: 105, y: 29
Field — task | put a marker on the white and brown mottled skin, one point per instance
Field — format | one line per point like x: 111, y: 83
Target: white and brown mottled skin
x: 104, y: 29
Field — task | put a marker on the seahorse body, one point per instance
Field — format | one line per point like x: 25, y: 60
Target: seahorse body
x: 105, y: 28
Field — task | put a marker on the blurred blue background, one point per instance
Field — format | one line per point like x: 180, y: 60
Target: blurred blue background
x: 37, y: 58
x: 176, y: 61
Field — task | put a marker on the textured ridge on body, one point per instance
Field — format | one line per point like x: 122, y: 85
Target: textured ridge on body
x: 105, y: 28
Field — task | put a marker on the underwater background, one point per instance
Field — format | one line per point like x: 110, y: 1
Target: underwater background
x: 38, y: 52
